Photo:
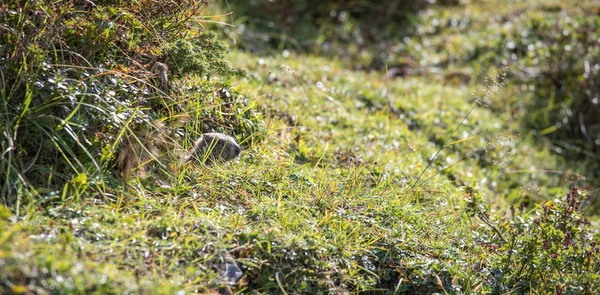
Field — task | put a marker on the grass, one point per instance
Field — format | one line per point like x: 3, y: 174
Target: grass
x: 321, y: 199
x: 319, y: 206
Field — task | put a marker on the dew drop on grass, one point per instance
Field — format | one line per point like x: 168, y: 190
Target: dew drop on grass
x: 62, y: 86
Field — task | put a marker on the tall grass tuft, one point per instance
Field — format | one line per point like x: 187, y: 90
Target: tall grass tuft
x: 77, y: 87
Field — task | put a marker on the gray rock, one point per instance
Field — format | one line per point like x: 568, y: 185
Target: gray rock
x: 230, y: 272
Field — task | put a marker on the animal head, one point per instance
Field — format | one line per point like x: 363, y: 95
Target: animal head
x: 160, y: 70
x: 212, y: 147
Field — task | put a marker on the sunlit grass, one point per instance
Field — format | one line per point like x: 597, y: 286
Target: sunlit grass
x: 321, y: 199
x: 318, y: 203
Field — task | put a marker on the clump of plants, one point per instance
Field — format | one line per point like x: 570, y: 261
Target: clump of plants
x: 78, y: 77
x: 551, y: 248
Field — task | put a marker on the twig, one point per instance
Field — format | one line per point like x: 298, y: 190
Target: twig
x: 443, y: 146
x: 490, y: 224
x: 393, y: 108
x: 263, y: 85
x: 279, y: 283
x: 545, y: 171
x: 434, y: 175
x: 426, y: 191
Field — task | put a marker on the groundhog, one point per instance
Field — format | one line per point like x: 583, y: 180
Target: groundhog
x: 160, y: 70
x: 214, y: 147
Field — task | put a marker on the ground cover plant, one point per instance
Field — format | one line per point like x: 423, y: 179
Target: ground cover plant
x: 551, y: 47
x: 351, y: 180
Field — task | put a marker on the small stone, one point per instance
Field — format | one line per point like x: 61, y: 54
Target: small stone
x: 230, y: 272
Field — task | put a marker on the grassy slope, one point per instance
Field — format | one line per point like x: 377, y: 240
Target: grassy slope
x: 321, y: 205
x: 294, y: 207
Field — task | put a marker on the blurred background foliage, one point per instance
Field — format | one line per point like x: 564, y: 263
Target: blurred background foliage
x: 551, y: 48
x: 322, y: 27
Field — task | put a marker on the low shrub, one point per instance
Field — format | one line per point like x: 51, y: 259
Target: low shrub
x: 551, y: 248
x: 77, y: 78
